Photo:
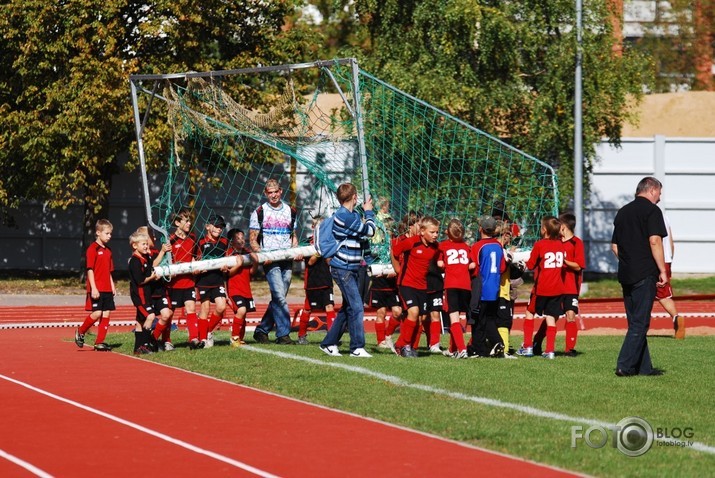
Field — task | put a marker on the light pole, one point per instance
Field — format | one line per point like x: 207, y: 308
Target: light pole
x: 578, y: 127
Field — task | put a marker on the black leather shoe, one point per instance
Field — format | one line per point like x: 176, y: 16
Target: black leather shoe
x: 654, y: 372
x: 621, y: 373
x: 260, y: 337
x: 285, y: 340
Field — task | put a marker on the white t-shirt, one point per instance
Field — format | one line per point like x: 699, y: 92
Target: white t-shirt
x: 276, y: 227
x: 667, y: 244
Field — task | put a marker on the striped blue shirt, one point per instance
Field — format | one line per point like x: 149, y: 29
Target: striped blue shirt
x: 350, y: 229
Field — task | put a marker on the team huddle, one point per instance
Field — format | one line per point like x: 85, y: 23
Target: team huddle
x: 435, y: 283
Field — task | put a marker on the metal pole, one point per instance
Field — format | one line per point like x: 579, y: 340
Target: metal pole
x: 578, y: 127
x: 142, y: 161
x: 360, y: 132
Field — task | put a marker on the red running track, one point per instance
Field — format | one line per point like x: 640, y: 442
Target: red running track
x: 78, y: 431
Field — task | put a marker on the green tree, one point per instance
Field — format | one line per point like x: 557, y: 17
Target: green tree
x: 508, y: 68
x: 65, y: 112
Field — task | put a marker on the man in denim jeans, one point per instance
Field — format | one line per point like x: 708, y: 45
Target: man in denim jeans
x: 272, y: 227
x: 637, y: 242
x: 349, y: 229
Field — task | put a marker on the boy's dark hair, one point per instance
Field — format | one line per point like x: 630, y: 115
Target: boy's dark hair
x: 568, y: 220
x: 182, y: 214
x: 455, y: 230
x: 552, y: 226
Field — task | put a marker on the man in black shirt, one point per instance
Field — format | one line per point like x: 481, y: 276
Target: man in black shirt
x: 638, y: 243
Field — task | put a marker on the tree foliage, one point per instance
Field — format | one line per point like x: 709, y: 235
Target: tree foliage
x: 508, y: 68
x: 65, y: 111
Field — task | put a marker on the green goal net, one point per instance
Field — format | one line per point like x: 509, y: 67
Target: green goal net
x: 209, y: 142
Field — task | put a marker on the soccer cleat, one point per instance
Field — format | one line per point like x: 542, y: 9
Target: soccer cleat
x: 525, y: 351
x: 361, y: 352
x: 435, y: 349
x: 261, y: 337
x: 143, y: 350
x: 537, y: 348
x: 102, y: 347
x: 549, y: 355
x: 209, y: 341
x: 460, y: 355
x: 237, y: 342
x: 408, y: 352
x: 571, y: 353
x: 383, y: 345
x: 285, y: 340
x: 168, y: 346
x: 679, y: 325
x: 195, y: 344
x: 303, y: 340
x: 78, y: 338
x: 510, y: 356
x: 497, y: 351
x: 331, y: 350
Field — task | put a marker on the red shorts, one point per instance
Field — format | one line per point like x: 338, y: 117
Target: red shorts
x: 665, y: 292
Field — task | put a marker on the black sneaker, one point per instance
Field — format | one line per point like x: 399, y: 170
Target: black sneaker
x: 408, y: 352
x: 78, y: 338
x: 285, y: 340
x: 195, y: 344
x: 102, y: 347
x: 571, y: 353
x: 261, y: 337
x: 143, y: 350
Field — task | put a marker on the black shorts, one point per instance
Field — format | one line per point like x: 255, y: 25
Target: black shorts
x: 143, y: 311
x: 160, y: 303
x: 238, y: 302
x: 384, y: 298
x: 212, y: 293
x: 435, y: 301
x: 505, y: 313
x: 412, y: 297
x: 105, y: 301
x: 458, y: 300
x: 549, y: 305
x: 180, y: 296
x: 570, y: 302
x: 319, y: 298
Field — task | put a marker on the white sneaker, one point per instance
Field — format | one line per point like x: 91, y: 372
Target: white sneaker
x: 461, y: 355
x: 383, y: 345
x: 435, y: 349
x: 168, y: 346
x: 361, y: 352
x: 331, y: 350
x: 209, y: 342
x: 390, y: 344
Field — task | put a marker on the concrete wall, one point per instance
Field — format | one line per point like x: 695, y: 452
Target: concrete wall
x: 686, y: 166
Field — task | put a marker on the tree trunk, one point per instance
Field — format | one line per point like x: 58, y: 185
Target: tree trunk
x: 703, y: 48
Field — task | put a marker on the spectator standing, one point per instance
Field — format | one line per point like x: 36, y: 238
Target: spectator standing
x: 637, y: 242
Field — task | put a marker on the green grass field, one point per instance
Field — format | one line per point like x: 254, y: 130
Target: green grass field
x: 483, y: 401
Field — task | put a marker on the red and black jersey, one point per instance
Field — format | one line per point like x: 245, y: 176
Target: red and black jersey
x: 99, y: 260
x: 318, y: 275
x: 239, y: 284
x: 139, y: 269
x: 183, y: 250
x: 456, y: 257
x: 574, y: 252
x: 158, y: 287
x: 416, y: 260
x: 211, y: 249
x: 547, y: 258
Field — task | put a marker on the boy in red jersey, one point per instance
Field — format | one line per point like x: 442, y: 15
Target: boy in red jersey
x: 547, y: 261
x: 100, y: 287
x: 457, y: 265
x: 141, y: 274
x: 417, y: 253
x: 239, y: 286
x: 210, y: 284
x: 488, y: 255
x: 318, y: 286
x: 160, y: 301
x: 182, y: 288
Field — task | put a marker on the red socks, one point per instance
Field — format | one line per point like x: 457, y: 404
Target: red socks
x: 203, y: 326
x: 303, y: 324
x: 435, y: 329
x: 238, y: 324
x: 456, y: 337
x: 192, y: 323
x: 159, y: 331
x: 550, y: 338
x: 528, y: 333
x: 214, y: 321
x: 86, y: 325
x: 380, y: 331
x: 102, y: 330
x: 392, y: 323
x: 571, y: 336
x: 406, y: 330
x: 416, y: 336
x: 329, y: 319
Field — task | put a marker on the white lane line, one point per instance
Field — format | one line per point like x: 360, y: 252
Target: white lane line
x: 492, y: 402
x: 22, y: 463
x: 148, y: 431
